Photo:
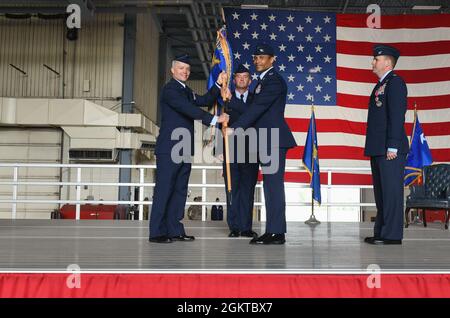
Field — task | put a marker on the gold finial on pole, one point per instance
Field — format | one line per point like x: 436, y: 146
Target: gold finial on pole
x: 415, y: 111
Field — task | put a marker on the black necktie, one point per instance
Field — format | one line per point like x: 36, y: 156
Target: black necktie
x: 242, y: 98
x: 258, y: 82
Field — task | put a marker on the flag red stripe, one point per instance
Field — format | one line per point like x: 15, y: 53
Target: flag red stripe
x: 396, y: 21
x: 351, y: 127
x: 331, y: 152
x: 328, y: 125
x: 410, y: 76
x: 431, y: 129
x: 406, y: 48
x: 352, y: 101
x: 423, y: 102
x: 357, y: 153
x: 349, y: 179
x: 337, y: 178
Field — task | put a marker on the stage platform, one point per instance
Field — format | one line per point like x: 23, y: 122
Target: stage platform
x: 40, y: 251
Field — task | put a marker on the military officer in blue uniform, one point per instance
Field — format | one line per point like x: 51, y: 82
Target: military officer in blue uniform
x: 179, y: 108
x: 244, y: 174
x: 387, y: 146
x: 266, y: 112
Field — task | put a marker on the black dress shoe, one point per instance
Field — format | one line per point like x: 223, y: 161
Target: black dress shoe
x: 183, y: 238
x: 370, y: 238
x: 274, y: 239
x: 259, y: 240
x: 160, y: 239
x: 249, y: 234
x: 234, y: 234
x: 380, y: 241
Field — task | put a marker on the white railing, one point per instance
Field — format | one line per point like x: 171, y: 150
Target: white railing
x: 15, y: 183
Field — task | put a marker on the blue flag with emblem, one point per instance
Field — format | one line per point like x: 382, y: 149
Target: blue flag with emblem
x: 311, y: 158
x: 419, y: 154
x: 221, y: 59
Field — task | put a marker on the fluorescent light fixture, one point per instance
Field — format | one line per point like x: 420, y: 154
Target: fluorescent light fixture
x: 426, y: 7
x: 254, y: 6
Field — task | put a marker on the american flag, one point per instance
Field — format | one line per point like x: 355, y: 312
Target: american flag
x: 325, y: 58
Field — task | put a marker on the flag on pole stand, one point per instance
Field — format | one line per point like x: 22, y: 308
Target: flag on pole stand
x: 419, y: 154
x: 311, y: 164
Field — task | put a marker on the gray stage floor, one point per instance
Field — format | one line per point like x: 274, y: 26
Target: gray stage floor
x: 52, y: 245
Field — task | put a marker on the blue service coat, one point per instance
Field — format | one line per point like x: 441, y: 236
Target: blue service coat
x: 386, y: 117
x: 179, y: 107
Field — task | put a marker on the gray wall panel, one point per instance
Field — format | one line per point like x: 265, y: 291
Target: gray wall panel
x: 95, y: 57
x: 146, y: 66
